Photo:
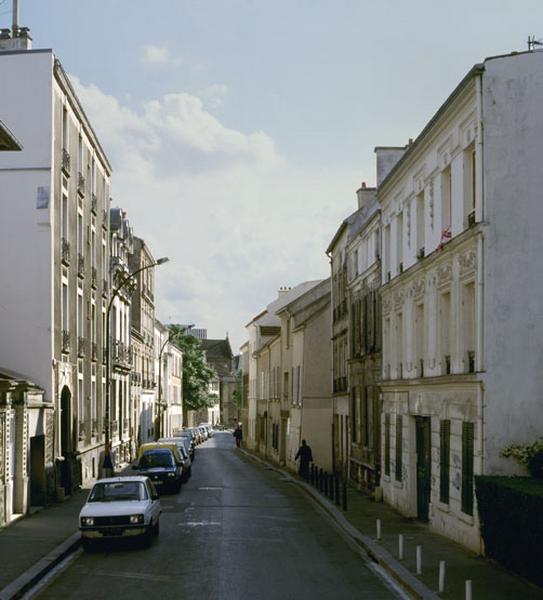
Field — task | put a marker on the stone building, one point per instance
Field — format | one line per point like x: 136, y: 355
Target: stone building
x: 219, y: 356
x: 54, y: 250
x: 461, y: 268
x: 364, y: 356
x: 145, y: 376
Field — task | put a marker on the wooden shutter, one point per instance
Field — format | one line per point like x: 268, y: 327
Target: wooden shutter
x: 444, y: 460
x: 399, y: 426
x: 387, y: 444
x: 468, y: 434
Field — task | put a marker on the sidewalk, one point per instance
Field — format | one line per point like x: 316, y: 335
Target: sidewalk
x: 36, y: 537
x: 489, y: 580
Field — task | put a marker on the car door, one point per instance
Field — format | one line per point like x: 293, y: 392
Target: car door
x: 155, y: 504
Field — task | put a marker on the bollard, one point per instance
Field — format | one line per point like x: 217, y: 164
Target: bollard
x: 321, y: 480
x: 378, y: 529
x: 468, y: 589
x: 337, y: 490
x: 331, y: 487
x: 325, y: 483
x: 344, y: 490
x: 400, y: 546
x: 441, y: 576
x: 419, y: 560
x: 312, y: 474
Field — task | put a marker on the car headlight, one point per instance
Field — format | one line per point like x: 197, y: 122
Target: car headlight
x: 171, y: 474
x: 87, y: 521
x: 135, y: 519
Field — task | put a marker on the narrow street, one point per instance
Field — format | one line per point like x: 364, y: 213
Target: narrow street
x: 236, y: 530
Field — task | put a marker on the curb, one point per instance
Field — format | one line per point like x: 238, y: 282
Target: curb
x: 31, y: 576
x: 377, y: 553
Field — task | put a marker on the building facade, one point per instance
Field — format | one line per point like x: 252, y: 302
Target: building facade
x: 54, y: 248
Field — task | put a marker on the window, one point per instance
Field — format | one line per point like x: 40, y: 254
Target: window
x: 65, y: 224
x: 445, y: 332
x: 444, y: 460
x: 387, y: 253
x: 420, y: 223
x: 446, y: 196
x: 468, y: 433
x: 399, y: 426
x: 470, y: 185
x: 299, y: 386
x: 80, y: 154
x: 65, y: 314
x: 80, y: 401
x: 399, y: 345
x: 387, y: 444
x: 419, y: 339
x: 64, y: 128
x: 355, y: 263
x: 468, y: 330
x: 399, y: 243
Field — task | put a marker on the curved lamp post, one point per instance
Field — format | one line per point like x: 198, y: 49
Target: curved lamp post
x: 114, y: 295
x: 160, y: 407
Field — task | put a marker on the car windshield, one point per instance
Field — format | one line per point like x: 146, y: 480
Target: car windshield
x: 118, y: 491
x: 157, y: 459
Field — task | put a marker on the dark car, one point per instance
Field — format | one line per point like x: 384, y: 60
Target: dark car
x: 160, y: 466
x: 188, y: 440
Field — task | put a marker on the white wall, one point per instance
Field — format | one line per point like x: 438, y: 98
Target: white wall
x: 26, y: 316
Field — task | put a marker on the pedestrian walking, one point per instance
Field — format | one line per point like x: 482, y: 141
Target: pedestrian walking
x: 238, y: 434
x: 306, y: 456
x: 108, y: 461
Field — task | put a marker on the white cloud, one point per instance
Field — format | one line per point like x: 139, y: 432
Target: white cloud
x: 155, y: 55
x: 234, y: 219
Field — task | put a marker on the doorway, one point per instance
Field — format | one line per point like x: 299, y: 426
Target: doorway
x: 37, y: 470
x: 65, y: 439
x: 423, y: 429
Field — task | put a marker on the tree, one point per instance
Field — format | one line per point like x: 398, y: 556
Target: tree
x: 197, y: 374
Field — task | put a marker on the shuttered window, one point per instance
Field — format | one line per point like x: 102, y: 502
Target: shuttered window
x: 399, y: 426
x: 444, y: 460
x: 387, y: 444
x: 468, y: 434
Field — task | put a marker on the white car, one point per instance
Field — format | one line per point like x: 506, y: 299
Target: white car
x: 120, y: 507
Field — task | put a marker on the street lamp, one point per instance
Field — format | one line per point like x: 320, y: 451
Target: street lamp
x: 114, y: 295
x: 160, y: 407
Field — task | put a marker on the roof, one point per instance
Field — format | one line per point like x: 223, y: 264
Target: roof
x: 7, y: 140
x: 217, y: 349
x: 475, y: 70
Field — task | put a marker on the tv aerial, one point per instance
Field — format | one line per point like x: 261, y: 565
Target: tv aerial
x: 532, y: 43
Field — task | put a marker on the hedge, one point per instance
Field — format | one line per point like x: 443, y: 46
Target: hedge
x: 511, y: 515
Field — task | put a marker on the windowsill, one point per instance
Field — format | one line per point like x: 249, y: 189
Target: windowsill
x: 442, y: 506
x: 465, y: 518
x: 386, y: 478
x: 398, y: 484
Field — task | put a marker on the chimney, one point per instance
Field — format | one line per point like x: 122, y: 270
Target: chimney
x: 387, y: 157
x: 283, y: 290
x: 365, y: 195
x: 16, y: 38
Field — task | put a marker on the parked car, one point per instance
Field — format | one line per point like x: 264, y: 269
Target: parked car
x: 152, y: 445
x: 203, y: 432
x: 120, y: 507
x: 188, y: 440
x: 185, y: 458
x: 208, y: 427
x: 162, y: 468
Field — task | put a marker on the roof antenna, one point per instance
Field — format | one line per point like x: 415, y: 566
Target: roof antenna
x: 532, y: 43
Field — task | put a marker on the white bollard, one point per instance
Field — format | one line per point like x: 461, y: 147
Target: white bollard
x: 400, y: 546
x: 378, y: 527
x: 419, y: 560
x: 468, y: 589
x: 441, y: 576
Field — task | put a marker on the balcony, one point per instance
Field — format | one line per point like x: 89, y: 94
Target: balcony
x: 65, y: 251
x: 65, y: 342
x: 66, y: 162
x: 93, y: 277
x: 81, y: 347
x: 80, y: 265
x: 81, y: 184
x: 121, y: 354
x: 94, y: 203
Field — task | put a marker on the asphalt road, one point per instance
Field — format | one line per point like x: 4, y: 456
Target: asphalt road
x: 235, y: 531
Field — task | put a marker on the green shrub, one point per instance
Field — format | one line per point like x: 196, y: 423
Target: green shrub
x: 511, y: 515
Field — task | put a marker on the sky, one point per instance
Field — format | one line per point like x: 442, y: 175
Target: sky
x: 240, y: 130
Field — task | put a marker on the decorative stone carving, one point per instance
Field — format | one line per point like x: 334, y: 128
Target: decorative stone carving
x: 399, y: 298
x: 467, y: 262
x: 431, y: 202
x: 444, y: 274
x: 387, y: 305
x: 418, y: 287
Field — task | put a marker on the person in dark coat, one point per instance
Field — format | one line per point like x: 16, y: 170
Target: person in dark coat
x: 238, y: 434
x: 108, y: 462
x: 305, y: 455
